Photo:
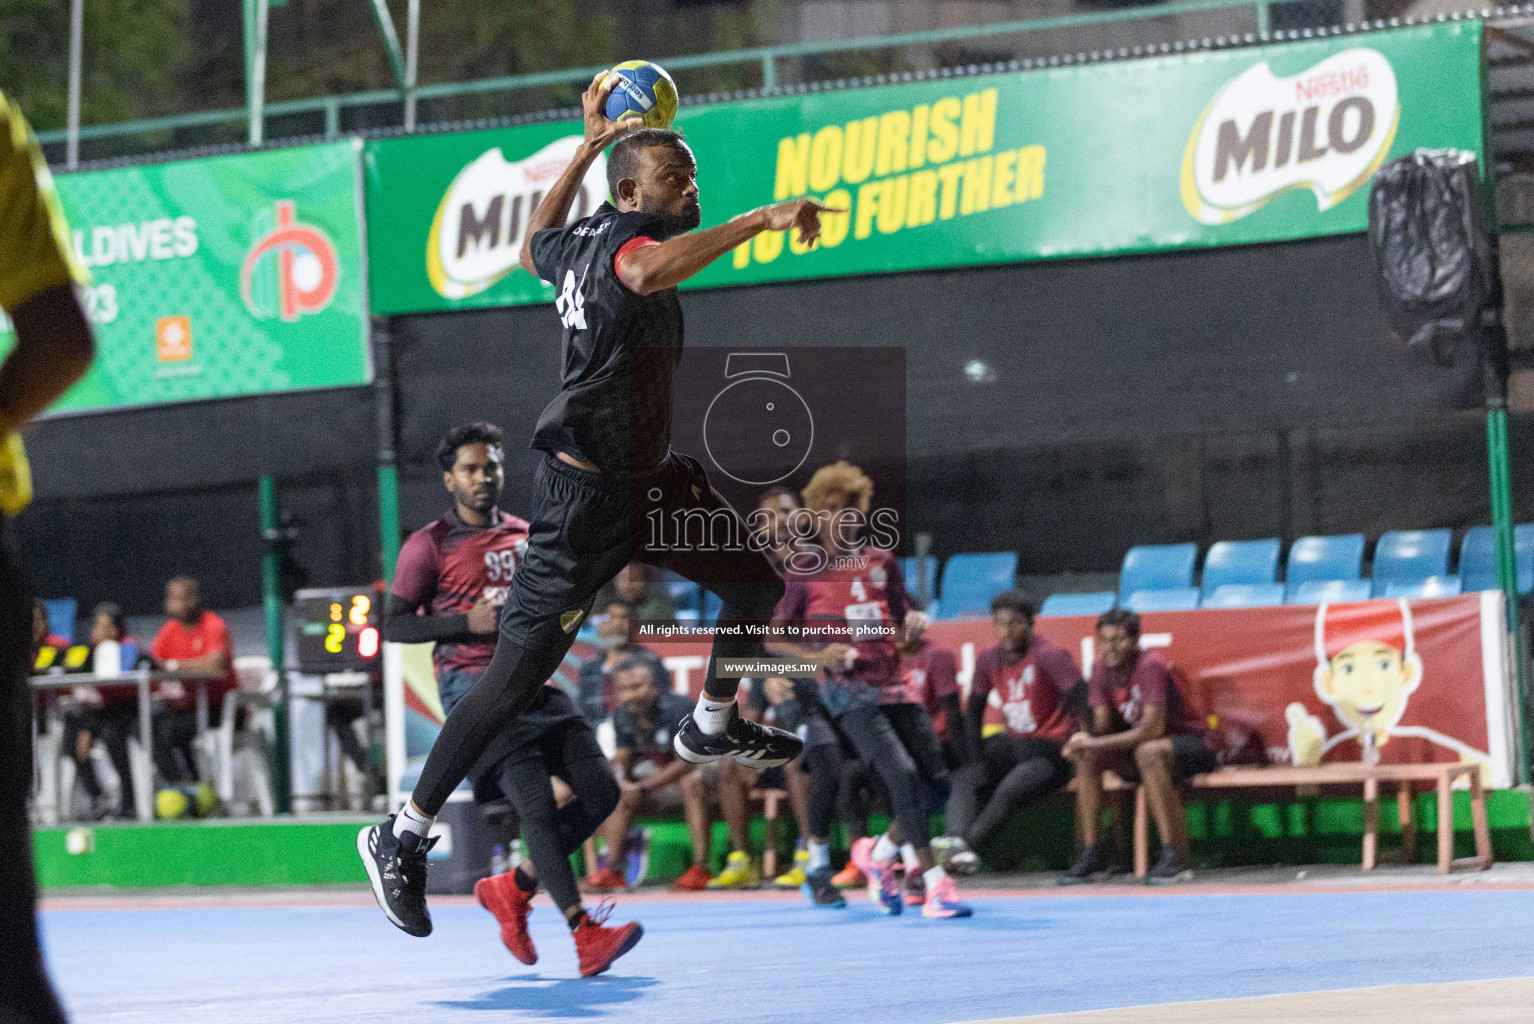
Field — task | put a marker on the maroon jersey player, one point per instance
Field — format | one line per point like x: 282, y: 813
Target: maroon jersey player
x: 1038, y: 686
x: 1144, y: 730
x: 846, y: 583
x: 452, y: 578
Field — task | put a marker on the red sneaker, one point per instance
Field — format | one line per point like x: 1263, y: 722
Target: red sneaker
x: 598, y: 945
x: 605, y: 880
x: 503, y: 897
x: 694, y: 879
x: 849, y: 877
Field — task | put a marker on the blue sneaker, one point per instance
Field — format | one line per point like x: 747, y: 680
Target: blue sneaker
x: 636, y: 867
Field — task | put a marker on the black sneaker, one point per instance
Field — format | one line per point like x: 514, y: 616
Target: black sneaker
x: 1088, y: 864
x: 398, y: 875
x: 820, y: 891
x: 1169, y: 870
x: 752, y: 744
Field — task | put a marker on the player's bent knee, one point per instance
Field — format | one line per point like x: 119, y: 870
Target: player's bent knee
x: 1148, y: 755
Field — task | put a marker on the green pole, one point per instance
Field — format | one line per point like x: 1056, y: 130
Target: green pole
x: 388, y: 476
x: 255, y: 69
x: 271, y: 592
x: 1499, y: 463
x: 1263, y: 20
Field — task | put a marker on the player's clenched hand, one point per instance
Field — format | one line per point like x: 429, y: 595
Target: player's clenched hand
x: 484, y: 617
x: 601, y: 131
x: 801, y: 214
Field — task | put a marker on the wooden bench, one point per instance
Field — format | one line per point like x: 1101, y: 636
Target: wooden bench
x: 1369, y: 777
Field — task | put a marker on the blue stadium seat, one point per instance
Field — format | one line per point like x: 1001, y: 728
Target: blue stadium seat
x: 1078, y: 604
x: 1478, y: 558
x: 61, y: 616
x: 1244, y: 595
x: 970, y: 581
x: 1327, y: 591
x: 1240, y: 561
x: 1405, y: 556
x: 1157, y: 567
x: 1172, y: 599
x: 1325, y: 559
x: 908, y: 569
x: 711, y: 607
x: 1433, y: 586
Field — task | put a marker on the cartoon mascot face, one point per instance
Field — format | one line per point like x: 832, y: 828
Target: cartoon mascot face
x: 1368, y: 682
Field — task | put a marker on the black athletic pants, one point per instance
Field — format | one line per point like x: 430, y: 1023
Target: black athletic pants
x: 1017, y: 769
x: 25, y: 995
x: 552, y: 834
x: 584, y: 528
x: 897, y: 742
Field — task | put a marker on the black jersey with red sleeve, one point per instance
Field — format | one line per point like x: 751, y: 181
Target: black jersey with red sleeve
x: 1033, y: 690
x: 863, y: 590
x: 620, y: 348
x: 929, y: 675
x: 445, y: 568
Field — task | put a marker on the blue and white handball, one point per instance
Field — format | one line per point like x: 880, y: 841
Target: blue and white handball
x: 642, y: 90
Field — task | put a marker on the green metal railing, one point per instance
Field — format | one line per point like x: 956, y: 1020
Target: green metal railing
x: 1259, y: 17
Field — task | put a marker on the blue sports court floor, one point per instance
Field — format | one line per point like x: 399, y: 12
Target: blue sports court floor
x: 767, y: 959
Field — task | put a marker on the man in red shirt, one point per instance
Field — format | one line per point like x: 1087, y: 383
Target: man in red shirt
x: 857, y: 590
x: 452, y: 578
x: 1038, y: 687
x: 1144, y: 731
x: 192, y: 640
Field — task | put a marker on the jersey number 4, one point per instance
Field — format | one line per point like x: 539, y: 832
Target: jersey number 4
x: 571, y: 304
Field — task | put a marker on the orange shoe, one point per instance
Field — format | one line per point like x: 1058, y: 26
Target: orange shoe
x: 598, y: 945
x: 605, y: 880
x: 503, y: 897
x: 849, y: 877
x: 694, y: 879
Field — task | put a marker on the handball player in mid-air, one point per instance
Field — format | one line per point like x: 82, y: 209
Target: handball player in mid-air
x: 607, y: 469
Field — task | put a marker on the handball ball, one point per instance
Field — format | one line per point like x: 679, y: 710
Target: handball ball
x: 170, y: 804
x: 642, y: 90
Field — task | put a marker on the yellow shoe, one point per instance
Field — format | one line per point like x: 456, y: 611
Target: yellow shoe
x: 794, y: 877
x: 738, y: 873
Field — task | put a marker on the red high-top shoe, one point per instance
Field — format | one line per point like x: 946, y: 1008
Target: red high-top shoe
x: 503, y: 897
x: 598, y: 944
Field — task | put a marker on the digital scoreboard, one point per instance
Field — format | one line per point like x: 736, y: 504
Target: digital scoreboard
x: 338, y: 628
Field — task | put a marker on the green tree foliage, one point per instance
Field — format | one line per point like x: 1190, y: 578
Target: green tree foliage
x: 135, y: 58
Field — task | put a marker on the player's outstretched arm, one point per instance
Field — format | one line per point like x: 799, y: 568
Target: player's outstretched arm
x: 53, y: 349
x: 658, y: 267
x: 600, y: 133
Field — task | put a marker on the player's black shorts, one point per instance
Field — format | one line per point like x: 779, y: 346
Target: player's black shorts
x: 808, y: 721
x: 1190, y: 757
x: 1003, y: 752
x: 585, y: 527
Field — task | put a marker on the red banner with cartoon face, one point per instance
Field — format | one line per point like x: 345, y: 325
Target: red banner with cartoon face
x: 1419, y: 681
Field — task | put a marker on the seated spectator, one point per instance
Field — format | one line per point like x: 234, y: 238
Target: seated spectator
x: 108, y: 713
x: 1038, y: 685
x: 651, y: 601
x: 651, y: 776
x: 772, y: 699
x: 596, y: 697
x: 42, y: 632
x: 777, y: 506
x: 193, y: 640
x: 1143, y: 730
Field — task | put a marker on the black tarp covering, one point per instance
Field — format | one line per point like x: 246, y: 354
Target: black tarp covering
x: 1235, y: 392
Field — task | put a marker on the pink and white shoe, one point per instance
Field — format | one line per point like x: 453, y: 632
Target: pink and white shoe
x: 883, y: 882
x: 943, y: 901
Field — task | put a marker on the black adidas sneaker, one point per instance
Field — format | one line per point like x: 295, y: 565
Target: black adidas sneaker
x: 751, y: 743
x: 398, y: 875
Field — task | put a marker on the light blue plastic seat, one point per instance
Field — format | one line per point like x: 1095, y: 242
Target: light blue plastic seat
x: 1172, y: 599
x: 908, y: 569
x: 1244, y: 595
x: 1406, y: 556
x: 1157, y: 567
x: 971, y: 580
x: 1324, y: 559
x: 1078, y: 604
x: 1478, y: 558
x: 1327, y: 592
x: 1240, y: 561
x: 1432, y: 586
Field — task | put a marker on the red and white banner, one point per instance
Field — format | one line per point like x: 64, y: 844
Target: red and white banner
x: 1423, y: 681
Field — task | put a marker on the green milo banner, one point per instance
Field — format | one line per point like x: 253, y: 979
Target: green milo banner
x: 211, y: 278
x: 1209, y: 148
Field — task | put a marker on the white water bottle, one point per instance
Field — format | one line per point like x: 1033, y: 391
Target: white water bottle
x: 107, y: 659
